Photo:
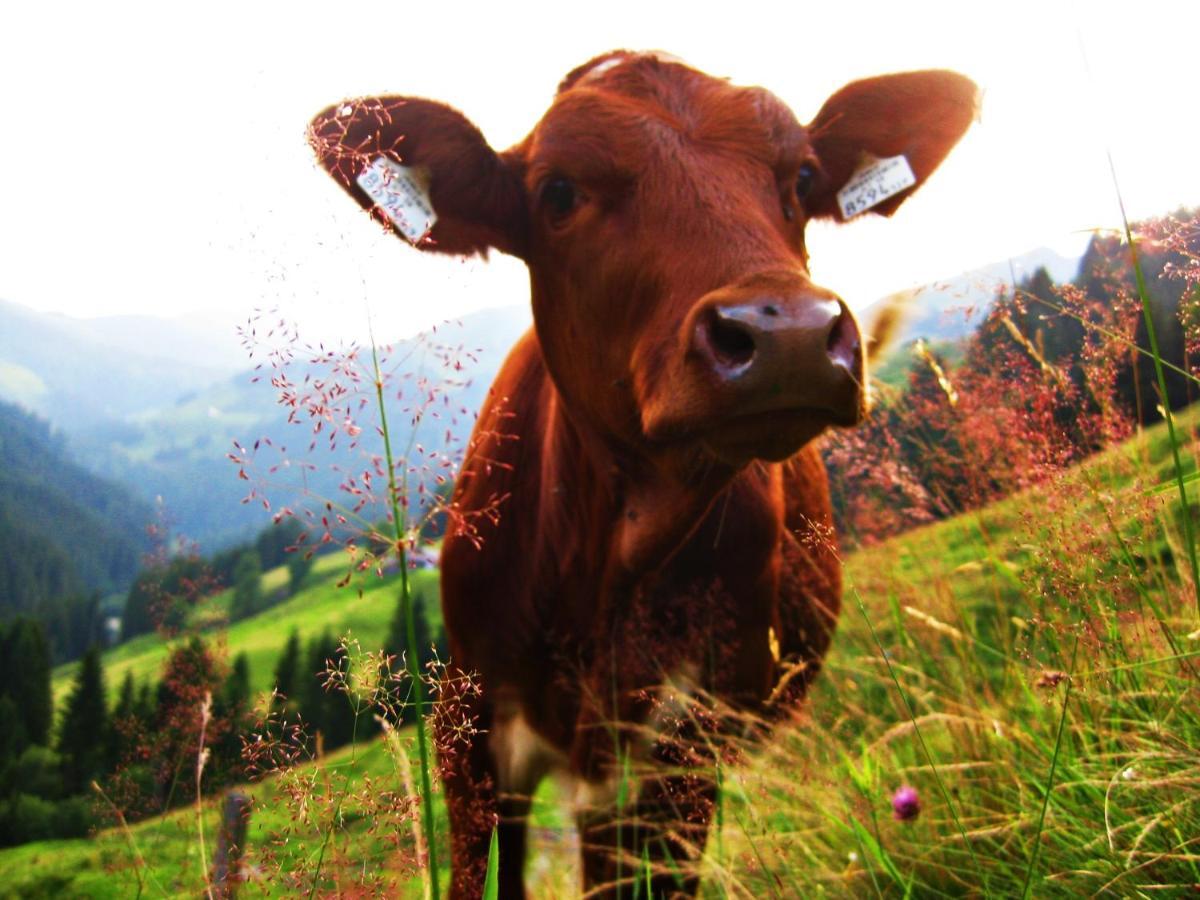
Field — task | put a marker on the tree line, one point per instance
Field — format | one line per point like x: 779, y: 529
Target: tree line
x: 1054, y: 373
x: 137, y: 754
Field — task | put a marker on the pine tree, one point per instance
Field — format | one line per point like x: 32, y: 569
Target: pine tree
x: 12, y: 731
x: 123, y: 723
x: 314, y: 706
x: 397, y: 643
x: 137, y: 616
x: 273, y: 542
x: 247, y: 587
x: 230, y: 709
x: 25, y: 676
x: 429, y: 646
x: 287, y: 670
x: 237, y: 687
x: 145, y: 708
x: 83, y: 739
x: 299, y: 564
x: 328, y: 711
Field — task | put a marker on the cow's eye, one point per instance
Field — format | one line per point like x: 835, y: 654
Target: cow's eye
x: 804, y: 181
x: 559, y: 198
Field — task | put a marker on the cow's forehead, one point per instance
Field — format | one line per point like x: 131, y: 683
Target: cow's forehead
x: 597, y: 66
x: 609, y: 96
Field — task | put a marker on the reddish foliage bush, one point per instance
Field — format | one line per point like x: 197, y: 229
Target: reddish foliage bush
x: 1052, y: 374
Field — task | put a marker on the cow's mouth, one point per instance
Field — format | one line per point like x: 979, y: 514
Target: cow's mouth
x: 772, y: 435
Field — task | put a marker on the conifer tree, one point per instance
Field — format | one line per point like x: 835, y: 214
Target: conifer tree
x: 247, y: 587
x: 237, y: 687
x: 123, y: 723
x: 299, y: 564
x: 287, y: 670
x: 25, y: 677
x: 12, y: 731
x: 83, y: 739
x: 311, y: 678
x: 429, y: 645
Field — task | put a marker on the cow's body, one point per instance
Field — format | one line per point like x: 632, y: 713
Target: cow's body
x: 641, y: 504
x: 756, y: 568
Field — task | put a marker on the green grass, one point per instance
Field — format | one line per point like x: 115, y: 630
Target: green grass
x: 945, y: 674
x: 1084, y: 786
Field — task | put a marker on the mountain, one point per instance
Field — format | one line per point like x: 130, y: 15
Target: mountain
x: 80, y: 373
x: 65, y: 532
x: 164, y: 420
x: 951, y: 308
x: 179, y: 451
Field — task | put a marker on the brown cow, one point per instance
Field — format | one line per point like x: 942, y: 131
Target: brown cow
x: 656, y: 480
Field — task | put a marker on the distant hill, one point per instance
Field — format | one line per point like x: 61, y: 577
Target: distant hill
x: 85, y: 372
x: 163, y: 420
x: 178, y: 451
x: 64, y: 531
x: 951, y: 308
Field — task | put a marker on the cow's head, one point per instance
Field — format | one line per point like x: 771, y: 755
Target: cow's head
x: 661, y: 213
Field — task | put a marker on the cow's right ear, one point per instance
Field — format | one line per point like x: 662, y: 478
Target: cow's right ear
x: 880, y: 138
x: 424, y: 170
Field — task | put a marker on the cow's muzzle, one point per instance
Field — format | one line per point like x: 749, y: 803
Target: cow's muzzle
x: 773, y: 354
x: 762, y: 367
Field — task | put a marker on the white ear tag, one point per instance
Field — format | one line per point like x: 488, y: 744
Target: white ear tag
x: 403, y: 195
x: 875, y: 181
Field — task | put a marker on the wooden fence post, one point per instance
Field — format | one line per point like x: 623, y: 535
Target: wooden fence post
x: 226, y: 874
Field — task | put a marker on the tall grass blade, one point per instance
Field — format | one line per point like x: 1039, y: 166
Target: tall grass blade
x: 413, y: 651
x: 1062, y: 724
x: 1147, y: 316
x: 921, y: 739
x: 491, y: 882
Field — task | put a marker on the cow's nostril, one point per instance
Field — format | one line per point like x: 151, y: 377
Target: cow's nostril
x: 843, y: 342
x: 730, y: 340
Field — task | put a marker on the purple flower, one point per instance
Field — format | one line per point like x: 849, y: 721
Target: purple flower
x: 906, y: 804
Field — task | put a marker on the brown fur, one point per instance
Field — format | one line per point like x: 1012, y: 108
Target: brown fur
x: 657, y: 519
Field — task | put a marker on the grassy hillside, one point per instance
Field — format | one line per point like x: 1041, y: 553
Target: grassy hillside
x: 364, y: 609
x: 1029, y: 669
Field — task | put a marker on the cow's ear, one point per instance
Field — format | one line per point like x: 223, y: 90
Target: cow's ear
x: 424, y: 170
x: 916, y: 115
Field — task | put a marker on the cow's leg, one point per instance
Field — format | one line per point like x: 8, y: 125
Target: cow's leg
x: 463, y: 721
x: 521, y: 758
x: 654, y: 807
x: 490, y: 771
x: 664, y: 830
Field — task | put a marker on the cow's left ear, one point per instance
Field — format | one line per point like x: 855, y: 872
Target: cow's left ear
x: 917, y: 115
x: 424, y: 170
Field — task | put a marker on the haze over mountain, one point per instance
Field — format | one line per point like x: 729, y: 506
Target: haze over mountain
x: 157, y: 403
x: 79, y: 373
x: 179, y: 451
x: 950, y: 308
x: 63, y: 529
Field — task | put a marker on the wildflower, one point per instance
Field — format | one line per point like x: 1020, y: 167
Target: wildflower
x: 906, y: 804
x: 1051, y: 679
x: 1129, y: 774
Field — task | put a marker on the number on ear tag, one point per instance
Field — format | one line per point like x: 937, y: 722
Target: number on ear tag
x: 402, y: 193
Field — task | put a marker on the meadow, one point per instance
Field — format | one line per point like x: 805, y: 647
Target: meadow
x: 1027, y: 669
x: 362, y: 610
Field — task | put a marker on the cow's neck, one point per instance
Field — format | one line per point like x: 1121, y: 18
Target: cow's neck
x: 647, y: 503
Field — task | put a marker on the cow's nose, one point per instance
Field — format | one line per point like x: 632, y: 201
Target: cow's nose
x: 803, y: 351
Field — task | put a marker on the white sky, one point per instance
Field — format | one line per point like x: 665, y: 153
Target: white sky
x: 153, y: 158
